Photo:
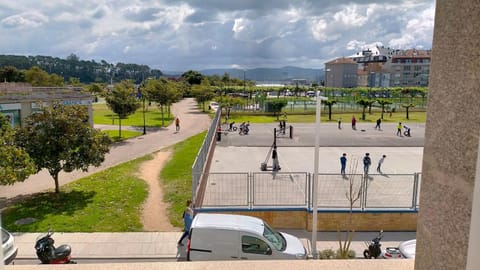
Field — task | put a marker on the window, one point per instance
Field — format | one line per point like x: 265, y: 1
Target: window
x: 254, y: 245
x: 406, y: 68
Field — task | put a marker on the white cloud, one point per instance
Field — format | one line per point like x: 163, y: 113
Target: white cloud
x: 184, y: 34
x: 24, y: 20
x: 350, y: 16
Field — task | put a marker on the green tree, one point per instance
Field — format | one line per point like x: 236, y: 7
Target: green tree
x: 382, y: 103
x: 59, y: 138
x: 193, y: 77
x: 11, y: 74
x: 364, y: 103
x: 96, y: 89
x: 164, y: 92
x: 329, y: 103
x: 407, y: 108
x: 122, y: 101
x: 202, y: 93
x: 15, y: 163
x: 276, y: 105
x: 38, y: 77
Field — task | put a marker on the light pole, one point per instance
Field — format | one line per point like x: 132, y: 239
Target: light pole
x: 144, y: 126
x: 142, y: 90
x: 315, y: 174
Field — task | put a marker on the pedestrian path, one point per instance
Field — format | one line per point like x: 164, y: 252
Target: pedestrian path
x: 192, y: 122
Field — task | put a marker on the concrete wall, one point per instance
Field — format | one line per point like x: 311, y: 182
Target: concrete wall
x: 330, y: 221
x: 238, y: 265
x: 451, y: 140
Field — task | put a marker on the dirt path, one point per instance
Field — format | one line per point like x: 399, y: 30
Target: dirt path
x: 154, y: 216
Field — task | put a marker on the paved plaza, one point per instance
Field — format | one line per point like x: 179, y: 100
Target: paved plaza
x: 236, y: 178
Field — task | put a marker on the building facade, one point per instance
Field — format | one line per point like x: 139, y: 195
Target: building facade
x: 19, y: 100
x: 411, y: 68
x: 341, y: 72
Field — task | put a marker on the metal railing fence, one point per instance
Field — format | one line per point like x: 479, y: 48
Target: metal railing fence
x: 250, y: 190
x: 201, y: 159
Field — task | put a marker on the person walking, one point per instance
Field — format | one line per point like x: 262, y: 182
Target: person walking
x: 366, y: 163
x: 177, y: 124
x: 187, y: 221
x: 380, y: 162
x: 343, y: 163
x: 399, y: 129
x: 354, y: 123
x: 379, y: 122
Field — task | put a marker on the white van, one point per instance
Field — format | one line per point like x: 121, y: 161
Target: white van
x: 237, y: 237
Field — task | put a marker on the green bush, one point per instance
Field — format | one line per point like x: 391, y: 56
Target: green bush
x: 327, y: 254
x: 331, y: 254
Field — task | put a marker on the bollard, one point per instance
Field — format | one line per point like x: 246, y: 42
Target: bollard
x: 291, y: 132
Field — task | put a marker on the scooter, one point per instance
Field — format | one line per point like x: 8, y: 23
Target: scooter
x: 47, y: 253
x: 374, y: 248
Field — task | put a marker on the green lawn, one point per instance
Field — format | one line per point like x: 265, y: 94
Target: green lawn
x: 417, y: 117
x: 126, y: 134
x: 108, y: 201
x: 153, y: 117
x: 177, y: 176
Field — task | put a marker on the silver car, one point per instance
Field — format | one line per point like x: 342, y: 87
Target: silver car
x: 8, y: 247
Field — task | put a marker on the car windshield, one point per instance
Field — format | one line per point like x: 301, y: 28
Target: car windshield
x: 275, y: 238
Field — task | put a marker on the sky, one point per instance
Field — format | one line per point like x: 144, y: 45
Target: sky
x: 176, y: 35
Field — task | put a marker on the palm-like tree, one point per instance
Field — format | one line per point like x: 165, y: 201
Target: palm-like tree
x: 330, y: 103
x: 365, y: 103
x: 407, y: 107
x: 382, y: 103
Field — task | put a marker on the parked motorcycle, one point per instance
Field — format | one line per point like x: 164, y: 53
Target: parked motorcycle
x: 374, y: 248
x: 47, y: 253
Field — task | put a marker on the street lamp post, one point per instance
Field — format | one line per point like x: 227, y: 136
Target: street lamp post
x: 144, y: 126
x: 315, y: 174
x: 142, y: 93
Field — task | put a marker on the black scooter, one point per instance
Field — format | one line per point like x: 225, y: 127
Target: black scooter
x: 47, y: 253
x: 374, y: 250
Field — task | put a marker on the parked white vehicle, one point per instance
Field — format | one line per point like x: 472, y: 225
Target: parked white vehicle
x: 237, y: 237
x: 8, y: 247
x: 408, y: 248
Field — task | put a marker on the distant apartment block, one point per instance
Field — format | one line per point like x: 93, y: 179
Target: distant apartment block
x: 380, y: 67
x: 412, y: 68
x: 341, y: 72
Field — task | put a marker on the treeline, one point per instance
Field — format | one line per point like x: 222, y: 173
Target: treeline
x: 73, y: 68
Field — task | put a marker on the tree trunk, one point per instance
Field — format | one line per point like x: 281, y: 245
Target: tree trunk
x: 119, y: 127
x: 330, y: 112
x: 383, y: 109
x: 363, y: 113
x: 163, y: 118
x: 407, y: 113
x: 57, y: 186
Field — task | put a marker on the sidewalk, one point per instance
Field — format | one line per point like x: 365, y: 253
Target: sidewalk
x: 163, y: 245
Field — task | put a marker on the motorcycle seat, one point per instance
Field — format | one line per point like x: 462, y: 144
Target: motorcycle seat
x: 63, y: 251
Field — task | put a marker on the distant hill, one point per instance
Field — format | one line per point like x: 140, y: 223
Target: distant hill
x: 271, y: 75
x: 85, y: 71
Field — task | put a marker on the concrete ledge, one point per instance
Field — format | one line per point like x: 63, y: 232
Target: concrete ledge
x: 234, y: 265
